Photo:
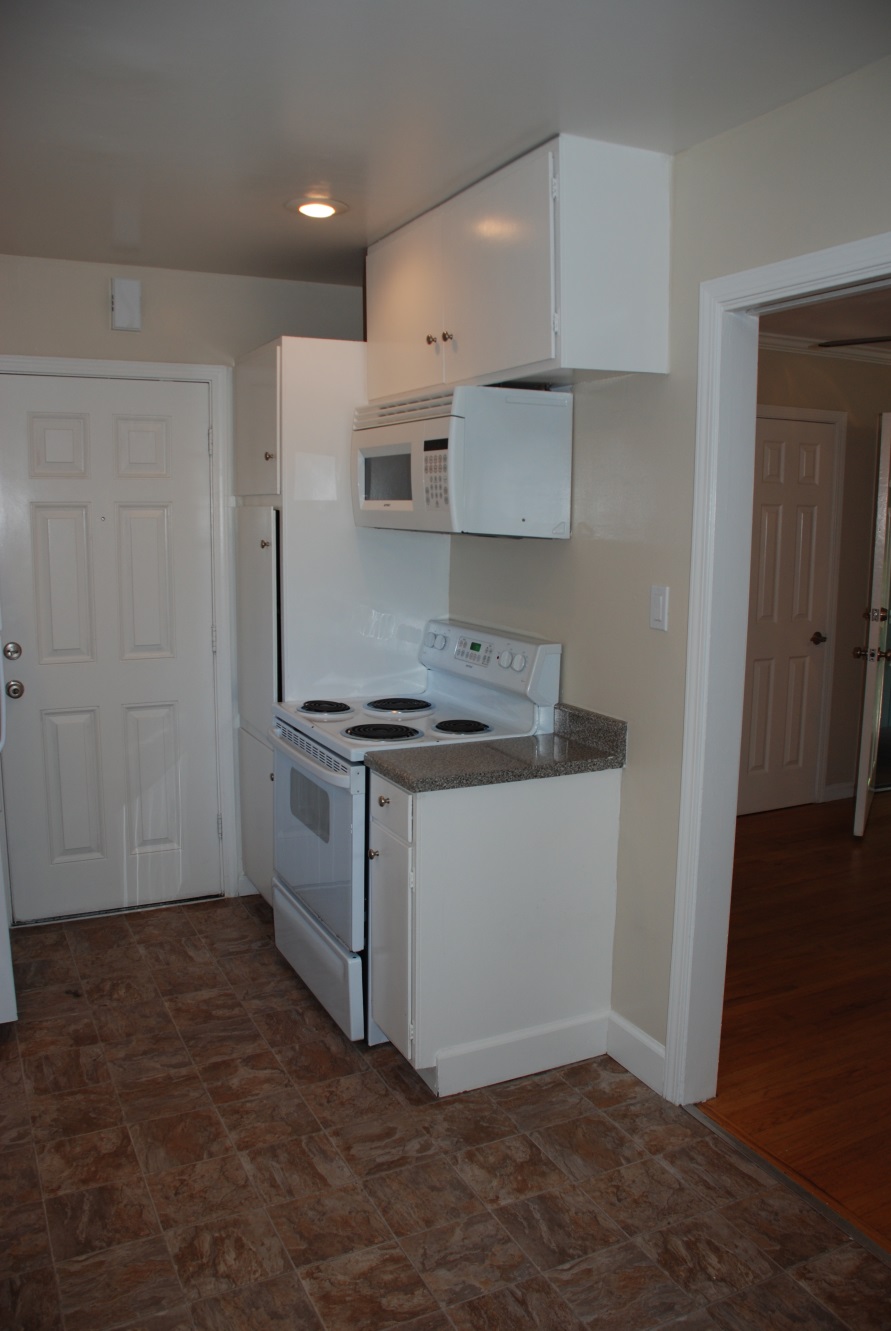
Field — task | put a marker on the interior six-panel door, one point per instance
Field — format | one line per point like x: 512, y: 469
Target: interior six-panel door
x: 788, y: 613
x: 109, y: 770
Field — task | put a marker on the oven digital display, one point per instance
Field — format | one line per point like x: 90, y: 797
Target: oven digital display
x: 476, y: 646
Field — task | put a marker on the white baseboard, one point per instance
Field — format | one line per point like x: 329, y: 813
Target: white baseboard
x: 638, y: 1052
x: 519, y: 1054
x: 245, y: 887
x: 845, y: 791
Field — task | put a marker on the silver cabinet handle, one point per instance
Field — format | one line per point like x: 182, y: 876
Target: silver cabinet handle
x: 264, y: 545
x: 431, y: 340
x: 383, y: 800
x: 448, y: 337
x: 373, y: 854
x: 269, y: 456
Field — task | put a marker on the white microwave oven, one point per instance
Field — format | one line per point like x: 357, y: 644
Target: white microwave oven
x: 486, y: 461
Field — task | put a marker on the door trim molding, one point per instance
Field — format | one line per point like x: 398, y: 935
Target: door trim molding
x: 839, y: 420
x: 719, y: 583
x: 218, y: 379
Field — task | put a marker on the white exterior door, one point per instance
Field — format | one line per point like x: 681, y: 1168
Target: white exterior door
x: 874, y: 673
x: 789, y: 612
x: 109, y: 771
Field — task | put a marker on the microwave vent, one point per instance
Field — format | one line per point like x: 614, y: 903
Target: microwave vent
x: 404, y: 409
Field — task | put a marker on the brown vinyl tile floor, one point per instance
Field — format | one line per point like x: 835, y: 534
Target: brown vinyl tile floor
x: 188, y: 1143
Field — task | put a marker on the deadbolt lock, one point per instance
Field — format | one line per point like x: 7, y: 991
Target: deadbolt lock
x: 12, y: 651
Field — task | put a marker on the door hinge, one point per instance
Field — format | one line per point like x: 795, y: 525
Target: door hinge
x: 213, y: 639
x: 220, y: 826
x: 556, y: 322
x: 554, y: 190
x: 210, y: 440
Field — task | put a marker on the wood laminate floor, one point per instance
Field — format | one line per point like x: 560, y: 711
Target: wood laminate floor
x: 805, y: 1068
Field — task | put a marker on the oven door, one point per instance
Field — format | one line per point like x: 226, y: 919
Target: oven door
x: 320, y: 836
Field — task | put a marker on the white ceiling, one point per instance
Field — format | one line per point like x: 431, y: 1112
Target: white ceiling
x: 171, y: 132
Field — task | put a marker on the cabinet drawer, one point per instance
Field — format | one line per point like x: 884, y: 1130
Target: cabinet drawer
x: 391, y: 806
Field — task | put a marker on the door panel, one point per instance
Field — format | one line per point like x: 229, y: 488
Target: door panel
x: 105, y: 573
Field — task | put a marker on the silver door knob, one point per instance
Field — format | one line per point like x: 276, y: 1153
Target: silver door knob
x: 860, y: 653
x: 818, y: 637
x: 15, y: 688
x: 12, y: 651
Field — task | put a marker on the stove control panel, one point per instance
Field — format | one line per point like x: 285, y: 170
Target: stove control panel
x: 514, y: 662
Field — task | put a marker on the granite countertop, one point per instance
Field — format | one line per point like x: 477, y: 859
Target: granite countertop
x: 582, y: 742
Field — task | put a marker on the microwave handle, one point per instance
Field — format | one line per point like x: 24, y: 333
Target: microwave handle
x: 305, y: 763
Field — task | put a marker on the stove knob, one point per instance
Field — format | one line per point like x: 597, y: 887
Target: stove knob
x: 505, y: 659
x: 440, y: 641
x: 429, y: 639
x: 519, y: 662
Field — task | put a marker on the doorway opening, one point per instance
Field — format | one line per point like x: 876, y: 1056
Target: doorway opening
x: 719, y: 602
x: 719, y: 595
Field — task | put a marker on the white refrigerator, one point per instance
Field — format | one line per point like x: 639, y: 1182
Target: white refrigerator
x: 323, y: 608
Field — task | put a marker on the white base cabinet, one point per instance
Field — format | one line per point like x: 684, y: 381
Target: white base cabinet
x: 559, y: 262
x: 491, y: 920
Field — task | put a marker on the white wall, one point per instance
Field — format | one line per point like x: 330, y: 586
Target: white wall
x: 810, y: 175
x: 53, y: 307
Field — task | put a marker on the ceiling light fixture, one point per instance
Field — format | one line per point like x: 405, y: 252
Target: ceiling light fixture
x: 316, y: 206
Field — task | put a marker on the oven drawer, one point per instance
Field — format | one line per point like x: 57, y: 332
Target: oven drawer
x: 324, y: 965
x: 392, y: 806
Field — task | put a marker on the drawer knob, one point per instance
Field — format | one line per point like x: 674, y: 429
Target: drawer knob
x: 383, y: 800
x: 373, y: 854
x: 268, y: 456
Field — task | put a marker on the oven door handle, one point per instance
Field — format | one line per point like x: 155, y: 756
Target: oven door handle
x: 331, y: 776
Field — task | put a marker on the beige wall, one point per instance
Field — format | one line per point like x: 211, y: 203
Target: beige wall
x: 809, y: 175
x: 51, y: 307
x: 863, y: 392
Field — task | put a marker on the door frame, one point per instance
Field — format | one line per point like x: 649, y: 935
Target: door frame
x: 839, y: 421
x: 218, y: 380
x: 727, y: 377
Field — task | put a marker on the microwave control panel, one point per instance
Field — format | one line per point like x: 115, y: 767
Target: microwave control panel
x: 436, y: 474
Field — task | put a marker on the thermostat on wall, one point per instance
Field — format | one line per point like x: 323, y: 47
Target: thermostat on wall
x: 126, y: 304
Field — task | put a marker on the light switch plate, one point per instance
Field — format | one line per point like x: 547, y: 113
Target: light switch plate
x: 659, y: 608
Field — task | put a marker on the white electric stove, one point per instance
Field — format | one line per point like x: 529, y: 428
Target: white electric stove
x: 481, y: 685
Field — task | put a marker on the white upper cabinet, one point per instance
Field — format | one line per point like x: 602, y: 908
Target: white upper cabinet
x: 258, y: 422
x: 558, y: 262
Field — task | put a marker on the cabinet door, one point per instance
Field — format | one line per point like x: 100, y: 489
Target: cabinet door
x: 257, y: 461
x: 404, y: 289
x: 256, y: 798
x: 389, y: 936
x: 256, y: 615
x: 498, y: 272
